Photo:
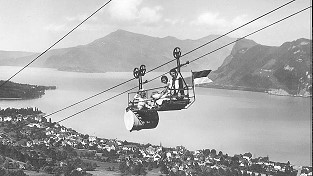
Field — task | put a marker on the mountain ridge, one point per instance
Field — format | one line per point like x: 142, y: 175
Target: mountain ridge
x: 243, y: 65
x: 123, y: 50
x: 268, y: 68
x: 14, y: 54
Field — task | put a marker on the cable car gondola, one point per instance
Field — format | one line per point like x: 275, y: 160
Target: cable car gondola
x: 143, y: 106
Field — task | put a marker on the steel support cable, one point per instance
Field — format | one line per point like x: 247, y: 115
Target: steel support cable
x: 109, y: 99
x: 160, y: 65
x: 89, y: 98
x: 173, y: 59
x: 227, y: 33
x: 238, y: 27
x: 55, y: 43
x: 252, y: 33
x: 97, y: 104
x: 189, y: 62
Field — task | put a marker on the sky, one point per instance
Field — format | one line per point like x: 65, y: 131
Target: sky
x: 34, y: 25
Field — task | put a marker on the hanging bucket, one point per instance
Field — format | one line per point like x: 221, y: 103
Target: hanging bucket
x: 138, y: 120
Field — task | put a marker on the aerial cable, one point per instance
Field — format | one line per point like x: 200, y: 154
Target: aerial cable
x: 173, y: 59
x: 226, y: 33
x: 89, y: 97
x: 156, y: 67
x: 97, y: 104
x: 187, y: 63
x: 55, y: 43
x: 109, y: 98
x: 252, y: 33
x: 238, y: 28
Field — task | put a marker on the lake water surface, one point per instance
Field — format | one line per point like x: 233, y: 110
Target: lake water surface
x: 230, y: 121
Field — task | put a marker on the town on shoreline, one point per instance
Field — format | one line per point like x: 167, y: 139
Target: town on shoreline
x: 30, y: 142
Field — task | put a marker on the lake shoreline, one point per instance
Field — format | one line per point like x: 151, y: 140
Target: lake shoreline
x: 17, y: 91
x: 268, y: 121
x: 276, y: 92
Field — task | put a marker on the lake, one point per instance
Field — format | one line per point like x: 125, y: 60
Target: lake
x: 230, y: 121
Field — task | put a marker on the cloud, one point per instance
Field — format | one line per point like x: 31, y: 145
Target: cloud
x: 124, y: 9
x: 209, y: 18
x: 243, y: 19
x: 174, y: 21
x: 150, y: 15
x: 67, y: 28
x: 215, y: 23
x: 239, y: 20
x: 56, y: 27
x: 80, y: 18
x: 130, y: 11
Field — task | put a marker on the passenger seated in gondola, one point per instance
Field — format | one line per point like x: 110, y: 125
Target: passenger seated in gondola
x: 164, y: 94
x: 141, y: 100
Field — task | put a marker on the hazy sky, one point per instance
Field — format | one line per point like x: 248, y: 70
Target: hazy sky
x: 34, y: 25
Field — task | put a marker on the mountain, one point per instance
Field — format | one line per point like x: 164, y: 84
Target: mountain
x: 27, y: 58
x: 123, y: 51
x: 4, y: 55
x: 287, y: 68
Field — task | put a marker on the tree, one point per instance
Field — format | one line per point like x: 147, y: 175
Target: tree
x: 6, y: 164
x: 105, y: 153
x: 123, y: 167
x: 80, y: 145
x: 249, y: 155
x: 163, y: 169
x: 48, y: 169
x: 213, y: 152
x: 17, y: 173
x: 150, y: 167
x: 137, y: 169
x: 28, y: 166
x: 86, y: 136
x: 142, y: 171
x: 206, y: 152
x: 2, y: 159
x: 228, y: 172
x: 15, y: 165
x: 2, y: 171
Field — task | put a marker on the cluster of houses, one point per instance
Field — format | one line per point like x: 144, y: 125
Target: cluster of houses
x: 176, y: 159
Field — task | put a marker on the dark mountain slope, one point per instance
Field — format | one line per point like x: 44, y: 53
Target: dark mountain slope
x: 260, y: 67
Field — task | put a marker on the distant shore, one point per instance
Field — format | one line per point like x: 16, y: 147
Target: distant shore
x: 79, y: 69
x: 276, y: 92
x: 11, y: 99
x: 18, y: 91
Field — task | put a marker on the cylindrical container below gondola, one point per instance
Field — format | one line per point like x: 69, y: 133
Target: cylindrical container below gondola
x: 138, y: 120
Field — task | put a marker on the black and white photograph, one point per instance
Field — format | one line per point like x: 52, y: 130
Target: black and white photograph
x: 155, y: 88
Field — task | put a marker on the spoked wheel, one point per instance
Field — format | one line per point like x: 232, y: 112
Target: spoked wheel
x: 136, y: 72
x: 142, y: 70
x: 177, y: 53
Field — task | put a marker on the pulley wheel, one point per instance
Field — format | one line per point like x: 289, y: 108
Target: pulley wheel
x: 136, y: 72
x: 177, y: 53
x: 142, y: 70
